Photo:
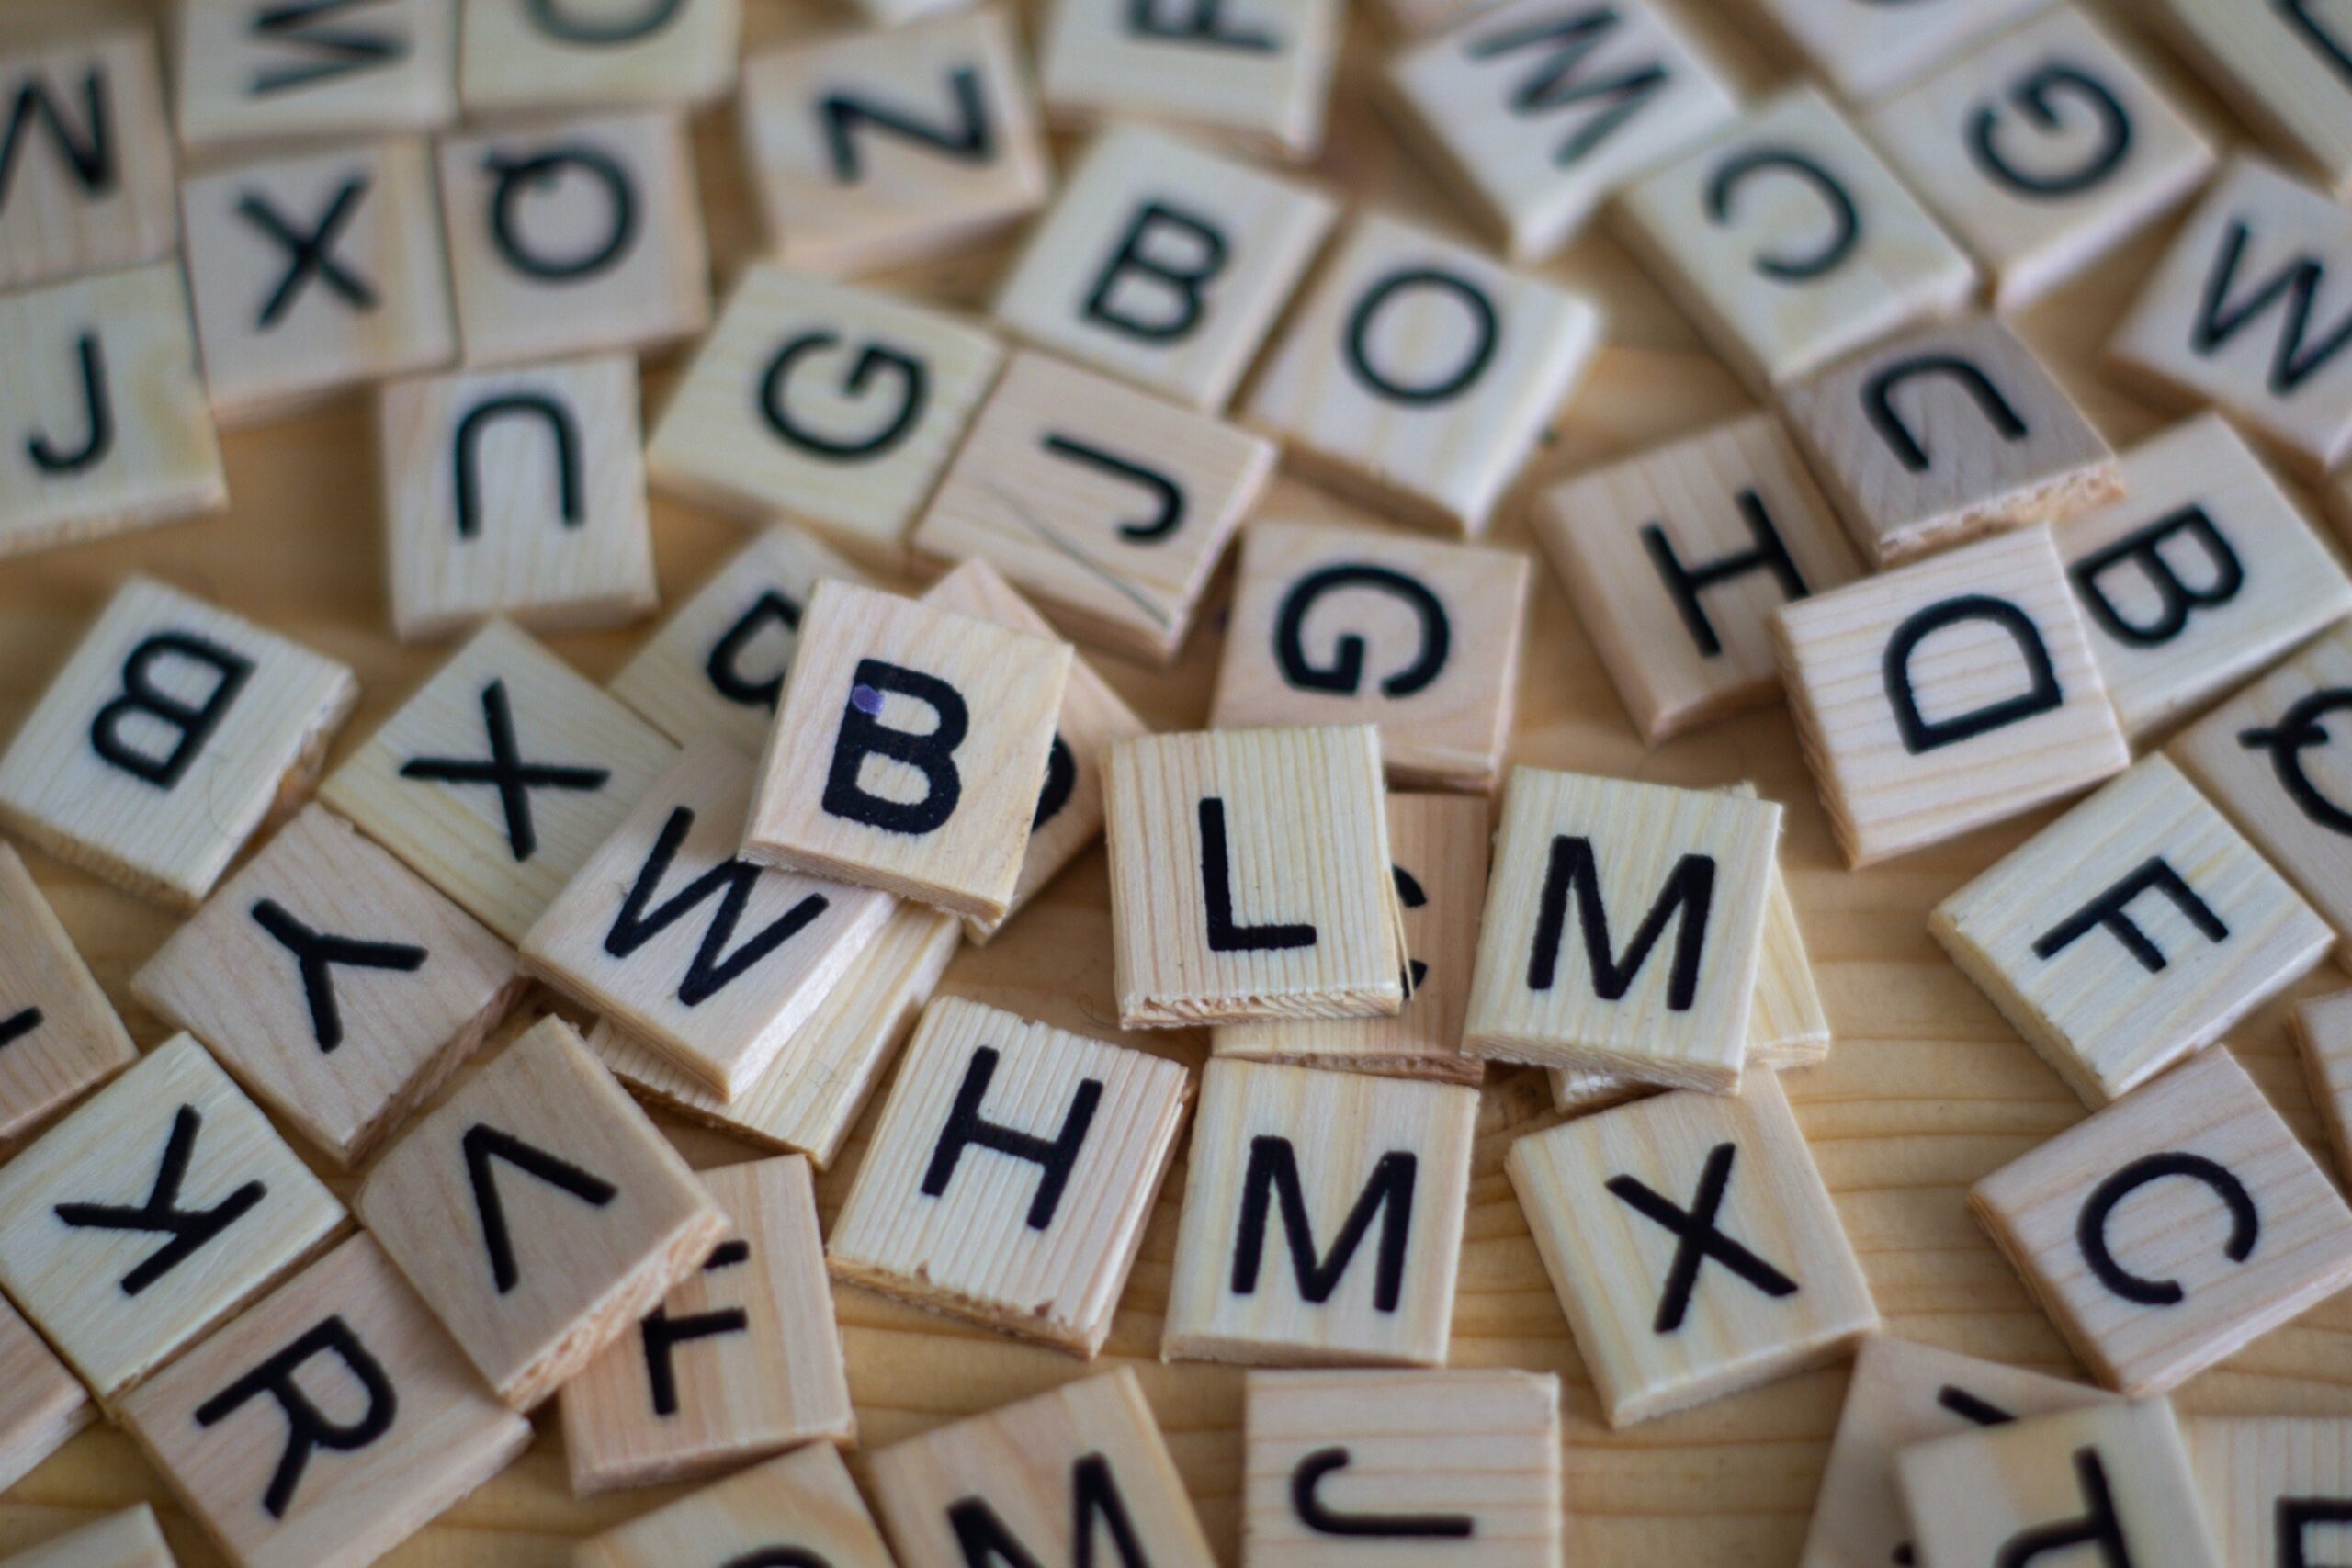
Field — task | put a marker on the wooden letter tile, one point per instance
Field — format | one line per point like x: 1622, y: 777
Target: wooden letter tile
x: 575, y: 237
x: 739, y: 1361
x: 2281, y: 67
x: 130, y: 1539
x: 1011, y: 1175
x: 517, y: 493
x: 1250, y: 877
x: 1693, y: 1247
x: 90, y: 186
x: 1164, y: 263
x: 499, y: 776
x: 1978, y: 664
x: 1323, y: 1216
x: 530, y: 54
x: 1331, y: 1478
x: 833, y: 405
x: 87, y: 458
x: 1674, y: 557
x: 41, y: 1403
x: 1418, y: 375
x: 1038, y: 1481
x: 1109, y: 506
x: 802, y: 1508
x: 1952, y: 431
x: 1867, y: 48
x: 2245, y: 312
x: 58, y: 1034
x: 874, y: 150
x: 538, y: 1213
x: 284, y: 1474
x: 253, y: 71
x: 1593, y: 878
x: 1260, y: 78
x: 151, y: 1213
x: 2324, y: 1035
x: 2044, y: 150
x: 173, y: 732
x: 338, y: 988
x: 712, y: 961
x: 2277, y: 1490
x: 2173, y: 1228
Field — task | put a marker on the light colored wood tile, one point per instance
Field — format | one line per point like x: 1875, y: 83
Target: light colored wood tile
x: 2044, y: 150
x: 1250, y: 877
x: 1693, y: 1247
x: 1907, y: 693
x: 1946, y: 433
x: 2283, y: 67
x: 2206, y: 573
x: 1696, y: 864
x: 1164, y: 263
x: 538, y: 1213
x: 58, y: 1034
x: 2173, y: 1228
x: 740, y: 1360
x: 252, y: 70
x: 336, y: 986
x: 835, y: 406
x: 41, y: 1403
x: 1535, y: 116
x: 91, y: 184
x: 120, y: 1268
x: 1035, y: 1481
x: 2322, y: 1032
x: 1261, y: 80
x: 873, y: 150
x: 2226, y: 318
x: 1868, y: 49
x: 1418, y: 638
x: 2277, y: 1490
x: 1577, y: 1092
x: 1108, y: 505
x: 710, y: 960
x: 1902, y: 1394
x: 516, y: 493
x: 127, y: 1539
x: 574, y: 237
x: 1332, y: 1479
x: 499, y: 776
x: 238, y: 1431
x: 1322, y: 1221
x: 804, y: 1503
x: 530, y: 54
x: 174, y: 732
x: 1419, y: 375
x: 93, y: 458
x: 1009, y: 1177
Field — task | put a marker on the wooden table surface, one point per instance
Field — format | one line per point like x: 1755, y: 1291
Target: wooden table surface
x: 1926, y: 1089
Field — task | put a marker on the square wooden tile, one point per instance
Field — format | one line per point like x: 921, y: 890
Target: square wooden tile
x: 575, y: 237
x: 739, y: 1361
x: 1533, y: 115
x: 41, y: 1403
x: 2044, y: 150
x: 1440, y: 842
x: 2134, y: 931
x: 91, y: 187
x: 717, y: 664
x: 1108, y: 505
x: 58, y: 1034
x: 1011, y: 1174
x: 255, y: 71
x: 2204, y: 574
x: 2323, y: 1032
x: 155, y: 1210
x: 1261, y: 80
x: 710, y: 960
x: 1332, y: 1480
x: 516, y: 493
x: 499, y: 776
x: 528, y: 54
x: 1034, y: 1481
x: 1564, y: 982
x: 2173, y: 1228
x: 1164, y: 263
x: 1290, y: 1174
x: 337, y: 987
x: 1948, y: 432
x: 1948, y: 694
x: 2277, y: 1490
x: 873, y: 150
x: 2227, y: 317
x: 236, y: 1427
x: 538, y: 1213
x: 804, y: 1503
x: 129, y: 1538
x: 835, y: 406
x: 1674, y: 559
x: 175, y: 731
x: 92, y: 462
x: 1901, y: 1393
x: 1418, y: 375
x: 1250, y: 877
x: 1868, y: 49
x: 2282, y: 67
x: 1692, y: 1245
x: 1789, y: 244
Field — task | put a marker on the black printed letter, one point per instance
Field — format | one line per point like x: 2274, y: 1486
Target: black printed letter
x: 1225, y: 935
x: 1182, y: 283
x: 141, y: 697
x: 1307, y: 1479
x: 1697, y: 1239
x: 1571, y: 42
x: 190, y: 1229
x: 968, y: 1127
x: 1878, y: 394
x: 542, y: 172
x: 2112, y: 909
x: 97, y: 416
x: 1272, y: 1175
x: 1688, y: 892
x: 1344, y: 674
x: 2097, y: 1528
x: 1845, y: 222
x: 308, y: 1427
x: 724, y: 665
x: 1486, y: 331
x: 1094, y: 1495
x: 2090, y: 1225
x: 969, y: 141
x: 1685, y: 584
x: 1920, y: 733
x: 316, y: 954
x: 875, y: 362
x: 2036, y: 97
x: 712, y: 968
x: 863, y: 734
x: 2298, y: 284
x: 2145, y: 548
x: 560, y: 428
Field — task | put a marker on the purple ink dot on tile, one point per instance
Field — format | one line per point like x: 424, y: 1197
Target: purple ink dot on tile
x: 866, y: 700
